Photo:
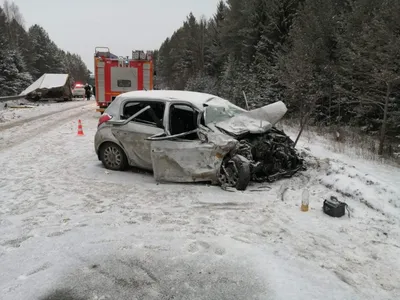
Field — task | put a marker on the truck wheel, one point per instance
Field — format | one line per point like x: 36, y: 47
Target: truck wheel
x: 238, y: 172
x: 113, y: 157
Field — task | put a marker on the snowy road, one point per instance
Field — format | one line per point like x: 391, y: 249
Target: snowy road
x: 17, y: 131
x: 68, y: 227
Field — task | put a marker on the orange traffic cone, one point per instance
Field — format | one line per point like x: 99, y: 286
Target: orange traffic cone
x: 80, y: 129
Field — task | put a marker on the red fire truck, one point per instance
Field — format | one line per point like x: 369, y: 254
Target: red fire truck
x: 115, y: 75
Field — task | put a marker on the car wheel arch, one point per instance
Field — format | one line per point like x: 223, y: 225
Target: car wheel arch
x: 111, y: 142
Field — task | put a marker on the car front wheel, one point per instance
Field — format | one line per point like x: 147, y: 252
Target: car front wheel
x: 113, y: 157
x: 235, y: 172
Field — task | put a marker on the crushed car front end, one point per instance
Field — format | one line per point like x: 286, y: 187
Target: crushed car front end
x: 268, y: 152
x: 233, y: 147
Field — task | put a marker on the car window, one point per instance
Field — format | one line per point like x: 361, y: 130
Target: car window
x: 146, y: 117
x: 183, y: 118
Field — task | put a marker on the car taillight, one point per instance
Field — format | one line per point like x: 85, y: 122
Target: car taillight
x: 104, y: 118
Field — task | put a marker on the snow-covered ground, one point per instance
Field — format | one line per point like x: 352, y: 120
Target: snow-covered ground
x: 17, y: 115
x: 68, y: 226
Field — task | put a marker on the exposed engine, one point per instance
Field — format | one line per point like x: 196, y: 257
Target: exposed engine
x: 271, y: 156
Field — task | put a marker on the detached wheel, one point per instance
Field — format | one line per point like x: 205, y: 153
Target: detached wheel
x: 113, y: 157
x: 237, y: 172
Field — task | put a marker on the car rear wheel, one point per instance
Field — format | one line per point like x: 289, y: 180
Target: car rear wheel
x: 113, y: 157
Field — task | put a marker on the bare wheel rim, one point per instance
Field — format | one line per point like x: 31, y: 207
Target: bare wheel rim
x: 234, y: 177
x: 112, y: 156
x: 232, y: 174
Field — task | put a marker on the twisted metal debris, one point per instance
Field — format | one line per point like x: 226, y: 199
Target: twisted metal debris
x: 272, y: 155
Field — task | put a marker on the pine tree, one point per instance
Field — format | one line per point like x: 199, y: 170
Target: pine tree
x: 370, y: 63
x: 307, y: 63
x: 13, y: 79
x: 164, y: 66
x: 236, y: 28
x: 215, y: 55
x: 270, y: 21
x: 25, y: 56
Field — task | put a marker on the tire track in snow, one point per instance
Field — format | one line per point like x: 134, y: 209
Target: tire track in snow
x: 28, y: 120
x: 21, y: 134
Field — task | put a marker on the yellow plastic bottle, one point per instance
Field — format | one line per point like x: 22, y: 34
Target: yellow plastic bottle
x: 305, y: 200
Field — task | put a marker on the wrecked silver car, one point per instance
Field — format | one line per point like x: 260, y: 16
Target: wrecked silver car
x: 189, y: 137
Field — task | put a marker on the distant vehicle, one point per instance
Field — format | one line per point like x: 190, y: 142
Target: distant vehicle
x: 114, y: 75
x: 78, y: 91
x: 186, y: 136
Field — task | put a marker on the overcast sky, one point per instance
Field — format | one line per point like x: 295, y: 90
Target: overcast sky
x: 122, y: 25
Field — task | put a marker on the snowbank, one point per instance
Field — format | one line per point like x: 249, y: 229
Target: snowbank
x: 372, y: 183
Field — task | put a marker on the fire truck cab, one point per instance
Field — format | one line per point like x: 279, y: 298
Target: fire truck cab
x: 115, y: 75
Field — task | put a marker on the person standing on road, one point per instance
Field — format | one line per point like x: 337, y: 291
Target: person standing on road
x: 87, y: 91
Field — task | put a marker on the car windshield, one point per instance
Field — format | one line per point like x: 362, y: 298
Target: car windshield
x: 220, y: 110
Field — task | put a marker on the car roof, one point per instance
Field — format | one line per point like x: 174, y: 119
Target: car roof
x: 195, y: 98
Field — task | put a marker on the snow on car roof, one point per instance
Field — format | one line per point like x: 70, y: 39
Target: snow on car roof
x: 196, y: 98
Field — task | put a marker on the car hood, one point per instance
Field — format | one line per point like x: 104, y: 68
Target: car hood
x: 255, y: 121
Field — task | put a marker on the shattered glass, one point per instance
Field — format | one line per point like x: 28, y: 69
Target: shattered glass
x: 218, y: 113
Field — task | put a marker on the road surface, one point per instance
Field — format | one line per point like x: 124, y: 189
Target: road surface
x: 69, y: 229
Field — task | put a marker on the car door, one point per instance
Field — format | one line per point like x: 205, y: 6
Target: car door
x: 178, y: 160
x: 133, y: 135
x: 183, y: 156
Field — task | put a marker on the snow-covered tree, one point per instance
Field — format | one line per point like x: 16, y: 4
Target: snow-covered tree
x: 25, y: 56
x: 331, y: 61
x: 13, y: 75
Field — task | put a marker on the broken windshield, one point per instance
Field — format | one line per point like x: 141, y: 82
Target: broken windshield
x: 218, y: 110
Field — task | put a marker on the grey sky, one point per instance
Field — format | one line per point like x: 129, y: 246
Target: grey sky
x: 122, y: 25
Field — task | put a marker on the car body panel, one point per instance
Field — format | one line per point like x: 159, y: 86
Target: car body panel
x: 104, y: 131
x: 133, y: 137
x: 103, y: 136
x: 178, y: 160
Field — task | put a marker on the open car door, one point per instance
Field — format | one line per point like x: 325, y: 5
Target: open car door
x: 178, y: 159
